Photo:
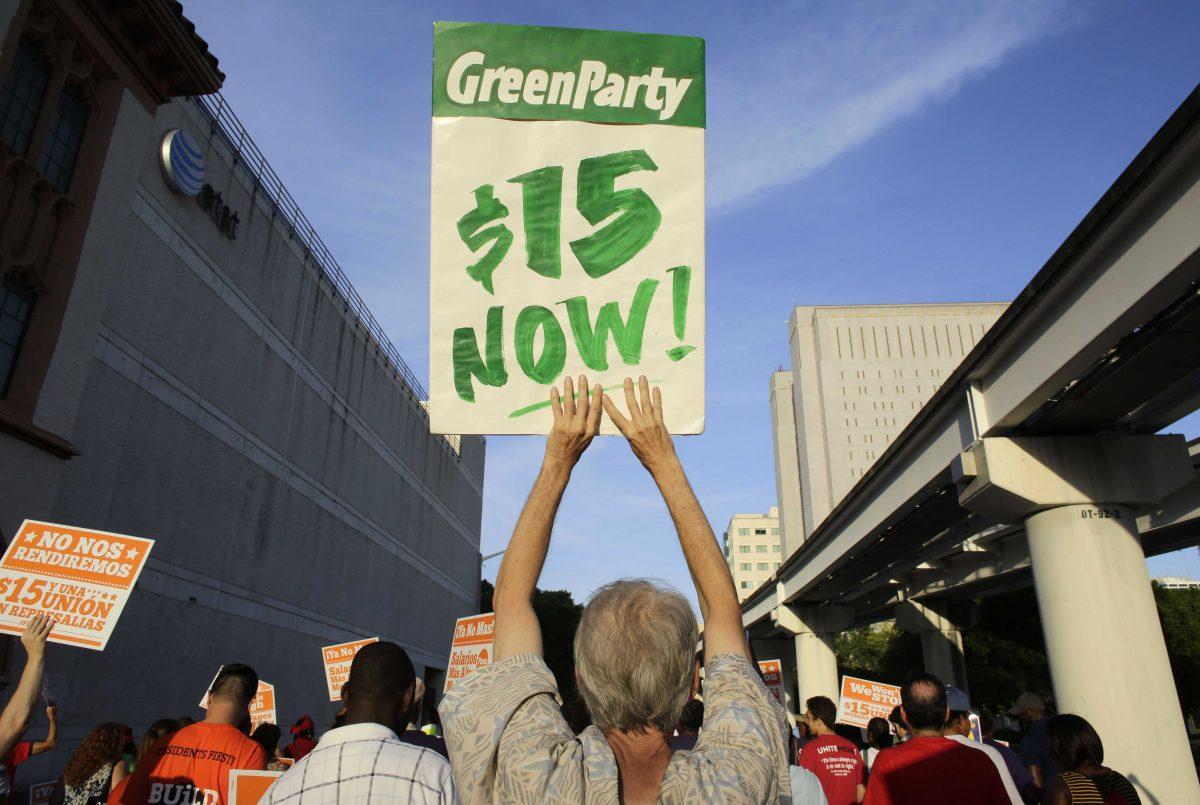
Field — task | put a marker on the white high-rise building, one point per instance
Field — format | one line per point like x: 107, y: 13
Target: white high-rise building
x: 1177, y: 583
x: 859, y: 374
x: 752, y: 549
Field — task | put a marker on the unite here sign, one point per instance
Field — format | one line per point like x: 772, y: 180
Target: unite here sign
x: 567, y: 221
x: 337, y: 660
x: 863, y: 700
x: 79, y: 577
x: 471, y: 647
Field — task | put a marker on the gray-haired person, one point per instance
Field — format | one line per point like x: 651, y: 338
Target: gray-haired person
x: 634, y: 657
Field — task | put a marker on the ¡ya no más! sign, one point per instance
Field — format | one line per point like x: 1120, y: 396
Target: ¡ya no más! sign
x: 567, y: 221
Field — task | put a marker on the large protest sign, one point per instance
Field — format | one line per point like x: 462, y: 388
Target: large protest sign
x: 249, y: 786
x: 772, y: 675
x: 80, y: 577
x: 567, y: 216
x: 337, y: 660
x: 471, y: 647
x: 863, y: 700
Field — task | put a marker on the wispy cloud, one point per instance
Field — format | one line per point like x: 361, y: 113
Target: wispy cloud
x: 809, y: 93
x: 339, y: 101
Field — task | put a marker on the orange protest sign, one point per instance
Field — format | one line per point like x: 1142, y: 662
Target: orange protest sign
x: 772, y: 674
x: 863, y: 700
x: 262, y: 706
x: 249, y: 787
x: 337, y: 660
x: 39, y: 793
x: 79, y: 577
x: 471, y: 647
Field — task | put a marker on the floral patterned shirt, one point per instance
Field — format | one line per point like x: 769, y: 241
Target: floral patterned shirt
x: 508, y: 741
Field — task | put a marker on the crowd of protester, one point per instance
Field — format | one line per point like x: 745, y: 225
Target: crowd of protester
x: 644, y: 728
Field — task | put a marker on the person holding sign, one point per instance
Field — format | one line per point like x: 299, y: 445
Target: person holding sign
x: 634, y: 657
x: 15, y: 718
x: 23, y: 750
x: 192, y: 765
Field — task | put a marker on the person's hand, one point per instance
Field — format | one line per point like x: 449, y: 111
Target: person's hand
x: 52, y: 711
x: 644, y: 427
x: 35, y: 634
x: 576, y: 422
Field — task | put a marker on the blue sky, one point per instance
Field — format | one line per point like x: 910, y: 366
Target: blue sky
x: 858, y: 152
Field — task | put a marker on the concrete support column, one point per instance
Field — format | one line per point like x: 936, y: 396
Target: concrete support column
x: 1078, y: 497
x: 814, y: 629
x: 1105, y: 644
x: 941, y: 640
x: 816, y: 667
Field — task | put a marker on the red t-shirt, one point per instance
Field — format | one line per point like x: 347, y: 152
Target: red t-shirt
x: 838, y: 766
x: 21, y: 752
x: 190, y: 766
x: 300, y: 747
x: 924, y: 770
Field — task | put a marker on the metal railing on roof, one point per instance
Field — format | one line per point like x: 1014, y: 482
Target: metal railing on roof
x: 226, y: 124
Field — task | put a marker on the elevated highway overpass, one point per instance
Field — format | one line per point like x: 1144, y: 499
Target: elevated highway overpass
x: 1042, y: 461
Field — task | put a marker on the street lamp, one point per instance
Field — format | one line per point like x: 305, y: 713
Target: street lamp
x: 482, y: 559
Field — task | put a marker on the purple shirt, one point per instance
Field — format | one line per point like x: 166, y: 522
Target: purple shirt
x: 1020, y: 774
x: 418, y: 738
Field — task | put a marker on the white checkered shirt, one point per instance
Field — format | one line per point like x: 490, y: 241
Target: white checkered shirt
x: 365, y: 763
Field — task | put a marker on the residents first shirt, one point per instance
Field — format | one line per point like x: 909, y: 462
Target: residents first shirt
x: 190, y: 767
x: 838, y: 766
x: 929, y: 770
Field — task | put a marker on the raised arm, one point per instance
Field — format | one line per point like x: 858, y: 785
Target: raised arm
x: 15, y: 718
x: 51, y: 739
x: 575, y: 424
x: 651, y: 443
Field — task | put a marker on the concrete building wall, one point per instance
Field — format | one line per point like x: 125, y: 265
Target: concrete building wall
x: 862, y: 372
x: 753, y: 549
x: 787, y: 463
x: 227, y: 405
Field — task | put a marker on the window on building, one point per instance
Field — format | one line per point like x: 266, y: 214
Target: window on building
x: 775, y: 531
x: 743, y: 532
x: 21, y: 98
x: 62, y: 142
x: 775, y: 548
x: 762, y: 565
x: 16, y: 302
x: 760, y: 532
x: 776, y: 566
x: 743, y: 549
x: 745, y: 585
x: 760, y: 548
x: 744, y: 566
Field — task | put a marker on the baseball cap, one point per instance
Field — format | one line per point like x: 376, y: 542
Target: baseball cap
x: 956, y: 699
x: 1027, y: 701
